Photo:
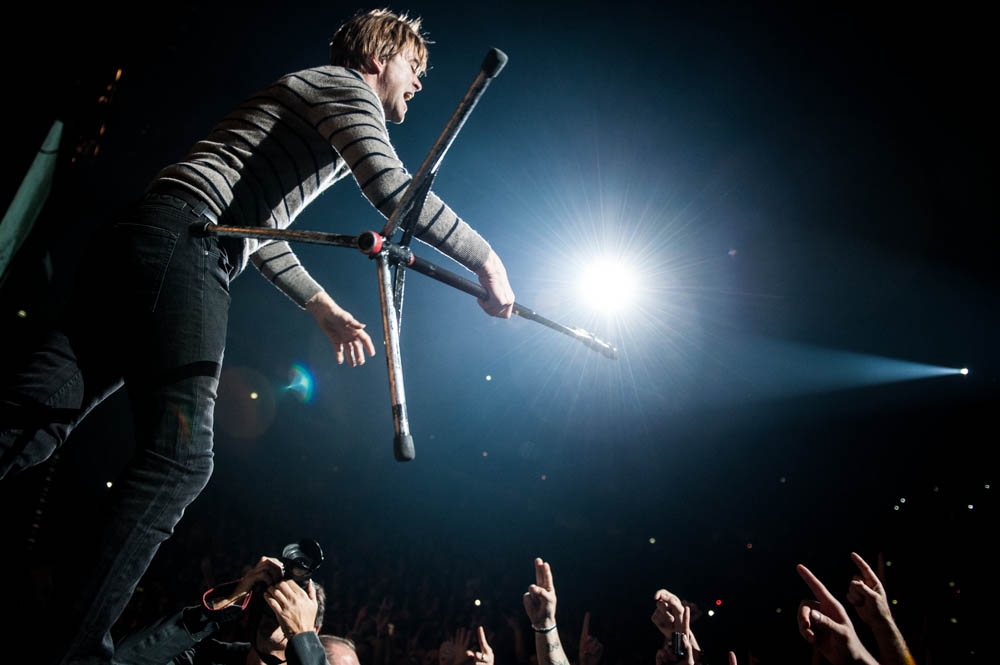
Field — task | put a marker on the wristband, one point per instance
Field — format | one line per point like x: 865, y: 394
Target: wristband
x: 543, y: 630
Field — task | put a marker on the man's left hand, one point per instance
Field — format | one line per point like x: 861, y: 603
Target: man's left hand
x: 493, y: 277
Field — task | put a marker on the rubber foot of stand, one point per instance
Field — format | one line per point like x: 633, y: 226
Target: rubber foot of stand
x: 403, y: 447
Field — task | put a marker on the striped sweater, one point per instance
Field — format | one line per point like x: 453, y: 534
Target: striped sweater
x: 282, y: 147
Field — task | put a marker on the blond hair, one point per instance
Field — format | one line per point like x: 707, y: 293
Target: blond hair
x: 377, y: 34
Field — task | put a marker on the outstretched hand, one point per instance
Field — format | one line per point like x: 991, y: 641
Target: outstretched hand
x: 462, y: 638
x: 454, y: 650
x: 350, y: 341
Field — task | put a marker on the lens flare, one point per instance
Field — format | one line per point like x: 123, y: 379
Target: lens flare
x: 300, y: 383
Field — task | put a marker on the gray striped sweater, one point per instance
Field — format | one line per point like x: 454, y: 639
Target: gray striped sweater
x: 282, y: 147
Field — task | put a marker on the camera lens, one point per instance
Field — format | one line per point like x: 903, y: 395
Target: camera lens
x: 301, y: 559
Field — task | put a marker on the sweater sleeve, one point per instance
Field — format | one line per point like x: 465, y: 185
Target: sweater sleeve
x: 278, y: 263
x: 350, y: 115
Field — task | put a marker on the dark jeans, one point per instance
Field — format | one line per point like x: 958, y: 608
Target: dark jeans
x: 150, y: 311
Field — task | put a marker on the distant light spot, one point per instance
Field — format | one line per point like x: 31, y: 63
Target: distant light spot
x: 489, y: 377
x: 477, y: 602
x: 749, y: 546
x: 254, y: 395
x: 732, y: 252
x: 777, y: 610
x: 108, y: 484
x: 485, y: 454
x: 652, y: 541
x: 902, y: 499
x: 710, y: 613
x: 22, y: 314
x: 782, y: 480
x: 544, y: 477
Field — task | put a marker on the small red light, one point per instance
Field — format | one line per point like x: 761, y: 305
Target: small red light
x: 718, y: 602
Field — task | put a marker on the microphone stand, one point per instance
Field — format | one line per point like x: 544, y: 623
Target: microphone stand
x: 392, y: 259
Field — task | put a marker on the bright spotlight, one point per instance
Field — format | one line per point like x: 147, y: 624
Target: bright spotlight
x: 608, y: 284
x: 964, y: 371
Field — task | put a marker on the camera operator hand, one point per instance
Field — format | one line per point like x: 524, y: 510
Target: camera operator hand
x: 266, y: 572
x: 294, y: 607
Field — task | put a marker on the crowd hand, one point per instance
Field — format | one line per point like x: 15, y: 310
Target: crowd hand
x: 868, y: 596
x: 294, y: 607
x: 359, y: 618
x: 463, y: 636
x: 446, y: 652
x: 266, y: 572
x: 669, y: 618
x: 692, y: 653
x: 454, y: 649
x: 485, y: 654
x: 350, y: 341
x: 493, y: 277
x: 540, y: 599
x: 518, y: 633
x: 867, y: 593
x: 384, y: 614
x: 413, y: 643
x: 591, y: 648
x: 824, y: 624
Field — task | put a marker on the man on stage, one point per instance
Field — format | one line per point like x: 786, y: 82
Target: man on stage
x: 152, y: 302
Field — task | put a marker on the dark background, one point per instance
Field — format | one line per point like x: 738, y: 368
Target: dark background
x: 807, y: 194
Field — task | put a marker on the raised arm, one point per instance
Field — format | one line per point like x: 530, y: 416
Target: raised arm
x: 352, y: 118
x: 824, y: 624
x: 591, y: 650
x: 868, y: 596
x: 672, y: 616
x: 540, y: 606
x: 484, y: 656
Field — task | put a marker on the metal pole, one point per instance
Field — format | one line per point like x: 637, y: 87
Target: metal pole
x: 403, y: 440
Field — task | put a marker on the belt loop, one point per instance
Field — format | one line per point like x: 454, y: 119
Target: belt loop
x: 202, y: 210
